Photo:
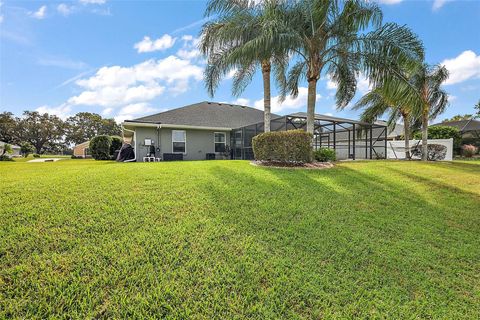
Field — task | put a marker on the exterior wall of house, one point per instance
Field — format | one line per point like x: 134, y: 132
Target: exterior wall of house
x: 80, y: 150
x: 198, y: 142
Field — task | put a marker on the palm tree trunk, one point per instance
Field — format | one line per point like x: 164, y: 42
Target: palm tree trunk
x: 266, y: 68
x: 312, y: 97
x: 406, y: 135
x: 424, y: 136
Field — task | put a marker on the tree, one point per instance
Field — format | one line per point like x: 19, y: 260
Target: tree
x: 41, y: 130
x: 459, y: 117
x: 6, y: 148
x: 329, y: 37
x: 100, y: 147
x: 477, y: 107
x: 224, y: 39
x: 377, y: 102
x: 26, y: 148
x: 430, y: 99
x: 8, y: 127
x: 85, y: 125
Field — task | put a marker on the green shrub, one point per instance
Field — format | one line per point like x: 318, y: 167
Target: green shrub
x: 100, y: 147
x: 116, y: 144
x: 26, y: 148
x: 283, y: 146
x: 325, y: 155
x: 36, y: 155
x: 5, y: 157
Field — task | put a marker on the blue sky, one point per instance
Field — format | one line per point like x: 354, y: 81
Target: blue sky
x: 124, y: 59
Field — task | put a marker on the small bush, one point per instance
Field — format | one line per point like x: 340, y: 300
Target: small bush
x: 283, y: 146
x: 435, y: 152
x: 5, y: 157
x: 325, y: 155
x: 36, y: 155
x: 469, y: 150
x: 116, y: 144
x: 100, y: 147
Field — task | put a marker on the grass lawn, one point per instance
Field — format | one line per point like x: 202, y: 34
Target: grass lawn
x: 224, y: 239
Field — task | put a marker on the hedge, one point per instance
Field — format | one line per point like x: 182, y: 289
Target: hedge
x: 116, y: 144
x: 100, y: 147
x: 283, y: 146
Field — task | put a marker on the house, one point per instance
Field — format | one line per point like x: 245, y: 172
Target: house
x: 81, y: 150
x: 394, y: 134
x: 469, y: 129
x: 209, y: 130
x: 16, y: 149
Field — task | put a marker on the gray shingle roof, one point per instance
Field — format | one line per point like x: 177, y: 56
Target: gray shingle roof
x: 207, y: 114
x: 462, y: 125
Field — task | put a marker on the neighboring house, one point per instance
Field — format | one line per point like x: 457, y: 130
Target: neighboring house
x: 16, y: 149
x: 81, y: 150
x: 396, y: 133
x: 469, y: 129
x: 209, y: 130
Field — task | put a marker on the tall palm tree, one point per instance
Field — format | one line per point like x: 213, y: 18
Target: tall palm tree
x: 376, y: 103
x: 235, y: 23
x: 431, y: 100
x: 328, y: 37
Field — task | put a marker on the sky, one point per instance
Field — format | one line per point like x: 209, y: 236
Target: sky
x: 125, y: 59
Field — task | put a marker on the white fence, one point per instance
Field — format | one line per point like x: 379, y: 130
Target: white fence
x: 396, y: 149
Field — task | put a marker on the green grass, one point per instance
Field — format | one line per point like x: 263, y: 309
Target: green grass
x: 224, y: 239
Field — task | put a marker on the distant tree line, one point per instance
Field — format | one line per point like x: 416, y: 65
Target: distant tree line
x: 50, y: 134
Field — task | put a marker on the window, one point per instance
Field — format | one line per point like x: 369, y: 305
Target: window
x: 179, y: 141
x: 219, y: 141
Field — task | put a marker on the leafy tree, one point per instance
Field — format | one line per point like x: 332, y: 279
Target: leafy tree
x: 477, y: 107
x: 377, y: 102
x: 429, y: 98
x: 85, y: 125
x: 329, y: 37
x: 6, y: 148
x: 459, y: 117
x: 100, y: 147
x: 41, y: 130
x: 229, y: 42
x: 116, y: 144
x: 8, y: 127
x: 443, y: 132
x: 26, y: 148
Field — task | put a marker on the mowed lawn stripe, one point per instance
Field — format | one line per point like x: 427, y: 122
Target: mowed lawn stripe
x: 225, y: 239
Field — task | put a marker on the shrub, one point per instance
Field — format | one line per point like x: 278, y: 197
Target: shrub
x: 435, y: 152
x: 283, y: 146
x: 443, y: 132
x: 5, y: 157
x: 26, y: 148
x: 100, y: 147
x: 325, y: 155
x: 116, y: 144
x: 469, y: 151
x: 36, y: 155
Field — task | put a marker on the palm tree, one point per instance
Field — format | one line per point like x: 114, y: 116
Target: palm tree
x: 327, y: 38
x: 431, y: 100
x: 376, y: 103
x: 236, y: 23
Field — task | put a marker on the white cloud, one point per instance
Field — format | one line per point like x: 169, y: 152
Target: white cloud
x: 331, y: 85
x: 463, y: 67
x: 363, y: 85
x: 61, y: 63
x: 127, y: 91
x: 40, y: 13
x: 93, y: 1
x: 290, y: 103
x: 148, y: 45
x: 64, y: 9
x: 243, y: 102
x: 63, y: 111
x: 135, y: 110
x: 1, y: 16
x: 189, y: 54
x: 230, y: 74
x: 437, y: 4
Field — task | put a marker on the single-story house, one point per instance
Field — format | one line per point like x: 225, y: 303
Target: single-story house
x: 211, y: 130
x: 16, y: 149
x: 81, y: 150
x: 469, y: 129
